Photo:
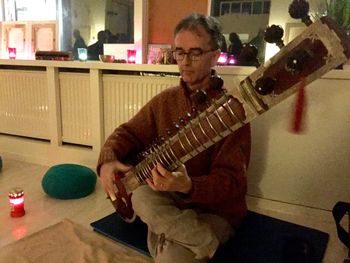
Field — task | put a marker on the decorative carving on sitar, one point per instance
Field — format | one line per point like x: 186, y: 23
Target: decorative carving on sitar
x: 322, y: 46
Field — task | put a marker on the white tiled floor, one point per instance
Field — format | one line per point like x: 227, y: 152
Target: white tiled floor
x: 43, y: 211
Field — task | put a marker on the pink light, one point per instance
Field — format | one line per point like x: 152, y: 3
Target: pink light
x: 231, y: 60
x: 131, y: 55
x: 19, y: 232
x: 222, y: 60
x: 12, y: 52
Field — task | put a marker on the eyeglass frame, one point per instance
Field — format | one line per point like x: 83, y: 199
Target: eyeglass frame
x: 191, y: 55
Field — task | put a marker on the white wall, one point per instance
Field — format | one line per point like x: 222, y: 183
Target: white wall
x: 311, y: 168
x: 252, y: 24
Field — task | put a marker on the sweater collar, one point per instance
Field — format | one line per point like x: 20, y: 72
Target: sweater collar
x: 200, y: 99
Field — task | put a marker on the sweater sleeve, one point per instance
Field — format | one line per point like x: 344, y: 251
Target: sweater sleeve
x: 129, y: 138
x: 226, y: 180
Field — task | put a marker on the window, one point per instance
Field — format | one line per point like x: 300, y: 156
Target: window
x: 26, y: 10
x: 225, y: 8
x: 246, y: 18
x: 255, y: 7
x: 266, y: 7
x: 246, y: 8
x: 236, y: 8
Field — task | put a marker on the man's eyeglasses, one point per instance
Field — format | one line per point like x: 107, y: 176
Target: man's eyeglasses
x: 194, y: 54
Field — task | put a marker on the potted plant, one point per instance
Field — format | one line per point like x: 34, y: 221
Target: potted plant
x: 338, y: 10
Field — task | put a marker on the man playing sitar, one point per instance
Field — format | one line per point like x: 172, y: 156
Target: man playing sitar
x: 189, y: 187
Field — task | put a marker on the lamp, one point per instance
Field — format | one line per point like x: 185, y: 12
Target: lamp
x: 12, y: 52
x: 131, y: 56
x: 16, y: 199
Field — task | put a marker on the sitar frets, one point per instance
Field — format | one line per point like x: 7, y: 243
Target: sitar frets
x: 209, y: 127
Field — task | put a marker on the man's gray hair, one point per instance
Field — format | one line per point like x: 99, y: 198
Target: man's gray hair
x: 210, y: 24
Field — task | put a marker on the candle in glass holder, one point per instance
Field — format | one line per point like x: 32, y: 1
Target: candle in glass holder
x: 222, y: 60
x: 131, y: 55
x: 82, y: 54
x: 16, y: 199
x: 12, y: 52
x: 231, y: 60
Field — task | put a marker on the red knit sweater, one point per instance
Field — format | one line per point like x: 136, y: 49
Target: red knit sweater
x: 218, y: 174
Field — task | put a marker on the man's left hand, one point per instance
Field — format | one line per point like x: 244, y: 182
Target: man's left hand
x: 164, y: 180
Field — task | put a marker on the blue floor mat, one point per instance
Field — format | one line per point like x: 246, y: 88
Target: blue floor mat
x: 260, y: 239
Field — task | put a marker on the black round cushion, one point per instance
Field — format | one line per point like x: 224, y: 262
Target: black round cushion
x: 69, y: 181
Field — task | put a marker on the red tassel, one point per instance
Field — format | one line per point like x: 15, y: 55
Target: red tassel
x: 298, y: 124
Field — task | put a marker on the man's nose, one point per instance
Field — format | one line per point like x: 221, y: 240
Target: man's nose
x: 186, y: 60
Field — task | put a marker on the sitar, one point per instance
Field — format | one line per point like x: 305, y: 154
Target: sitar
x: 322, y: 46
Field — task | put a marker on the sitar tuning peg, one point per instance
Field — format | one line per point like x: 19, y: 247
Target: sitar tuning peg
x: 216, y: 83
x: 140, y: 155
x: 265, y: 85
x: 296, y: 61
x: 299, y: 9
x: 159, y: 140
x: 274, y: 34
x: 182, y: 121
x: 194, y: 111
x: 199, y: 97
x: 248, y: 55
x: 177, y: 126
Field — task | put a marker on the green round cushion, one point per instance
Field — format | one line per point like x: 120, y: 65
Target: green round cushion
x: 69, y: 181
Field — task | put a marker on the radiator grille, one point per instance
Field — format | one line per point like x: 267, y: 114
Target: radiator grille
x: 75, y: 108
x: 24, y: 109
x: 125, y: 95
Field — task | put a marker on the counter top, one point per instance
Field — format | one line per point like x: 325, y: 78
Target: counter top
x: 98, y: 65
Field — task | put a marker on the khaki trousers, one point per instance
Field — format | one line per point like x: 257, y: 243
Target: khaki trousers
x: 178, y: 235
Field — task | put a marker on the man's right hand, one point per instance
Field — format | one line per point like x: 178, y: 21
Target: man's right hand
x: 107, y: 176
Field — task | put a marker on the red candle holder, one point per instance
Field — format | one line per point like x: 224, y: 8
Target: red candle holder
x: 231, y: 60
x: 131, y: 55
x: 222, y: 60
x: 16, y: 199
x: 12, y: 52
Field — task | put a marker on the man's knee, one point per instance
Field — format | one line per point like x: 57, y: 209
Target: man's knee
x: 140, y: 193
x: 140, y: 196
x: 171, y: 252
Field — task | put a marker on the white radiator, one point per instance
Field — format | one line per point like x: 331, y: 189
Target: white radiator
x: 75, y: 107
x: 24, y: 109
x: 123, y: 96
